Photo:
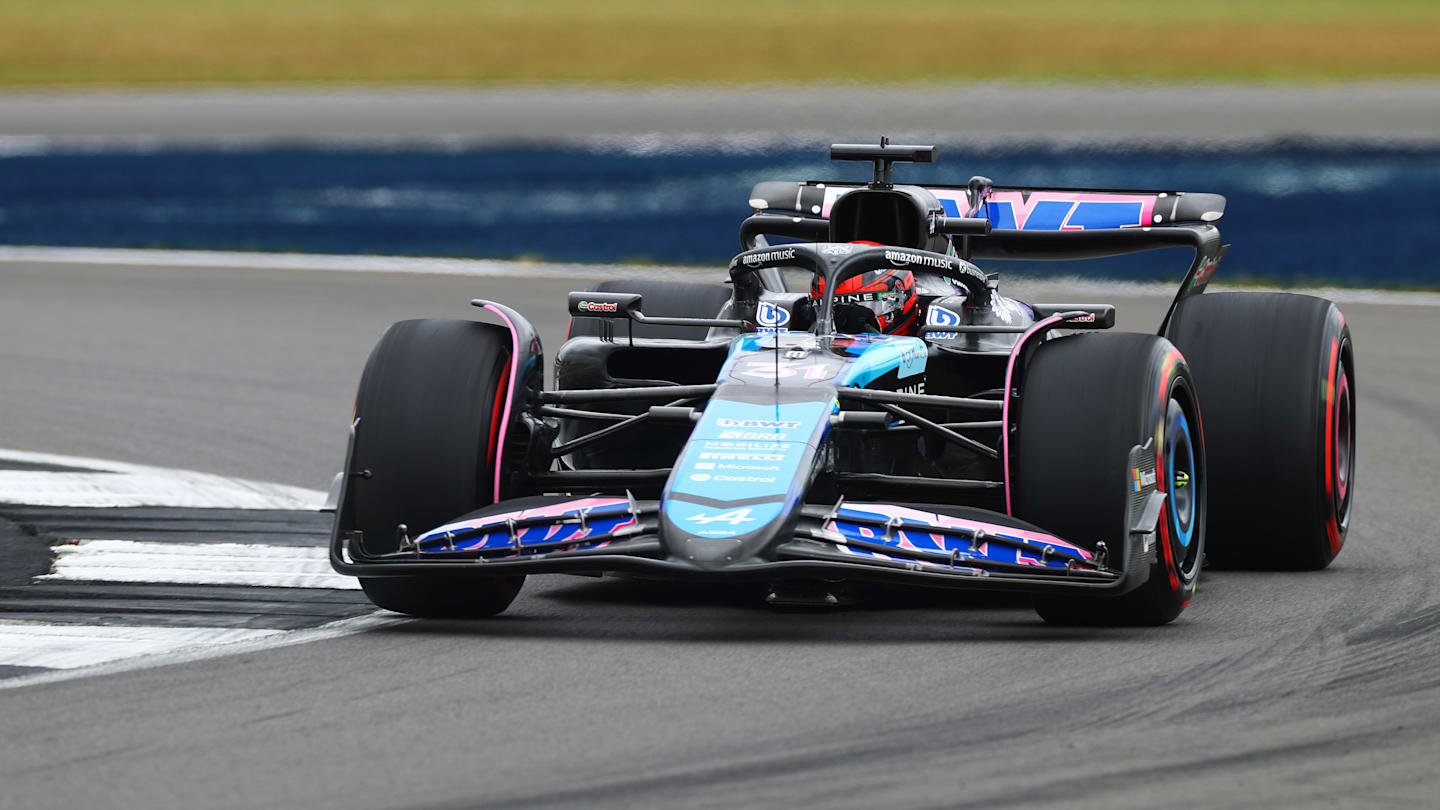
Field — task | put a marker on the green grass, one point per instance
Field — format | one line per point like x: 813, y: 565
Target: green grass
x: 183, y: 42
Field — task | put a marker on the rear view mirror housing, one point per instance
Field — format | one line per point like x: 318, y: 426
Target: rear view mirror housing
x: 605, y: 305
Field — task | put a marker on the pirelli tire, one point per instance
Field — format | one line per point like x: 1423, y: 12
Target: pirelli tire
x: 1086, y: 403
x: 668, y: 299
x: 429, y: 409
x: 1276, y: 374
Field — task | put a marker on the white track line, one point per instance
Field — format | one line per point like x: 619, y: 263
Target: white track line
x: 198, y: 564
x: 75, y: 651
x: 115, y: 483
x: 200, y: 650
x: 71, y: 646
x: 495, y: 268
x: 207, y: 259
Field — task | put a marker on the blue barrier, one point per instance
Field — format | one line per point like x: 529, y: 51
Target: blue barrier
x: 1297, y: 212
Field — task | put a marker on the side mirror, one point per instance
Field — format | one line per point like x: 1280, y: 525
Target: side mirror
x: 604, y: 305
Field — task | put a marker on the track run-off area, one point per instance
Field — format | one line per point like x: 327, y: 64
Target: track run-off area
x: 258, y: 682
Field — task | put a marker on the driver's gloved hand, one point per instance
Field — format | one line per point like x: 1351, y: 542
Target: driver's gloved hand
x: 855, y: 319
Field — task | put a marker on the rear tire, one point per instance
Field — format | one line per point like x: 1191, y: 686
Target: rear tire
x: 1276, y: 372
x: 428, y: 405
x: 1086, y: 401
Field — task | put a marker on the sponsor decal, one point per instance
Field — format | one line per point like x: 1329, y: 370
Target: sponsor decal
x: 1142, y: 479
x: 772, y: 316
x: 757, y: 259
x: 937, y: 315
x: 752, y: 436
x: 758, y: 447
x: 755, y: 467
x: 597, y: 306
x: 704, y: 465
x: 756, y: 423
x: 1207, y: 269
x: 913, y: 388
x: 1088, y: 317
x: 940, y: 316
x: 837, y: 250
x: 740, y: 457
x: 746, y: 479
x: 1067, y: 210
x: 700, y: 477
x: 865, y: 297
x: 900, y: 259
x: 766, y: 369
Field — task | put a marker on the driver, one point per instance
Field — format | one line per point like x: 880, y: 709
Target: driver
x: 875, y: 301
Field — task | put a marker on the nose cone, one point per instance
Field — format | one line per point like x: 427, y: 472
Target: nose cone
x: 714, y: 537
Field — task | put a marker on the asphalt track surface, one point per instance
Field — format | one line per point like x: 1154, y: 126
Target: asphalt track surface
x: 1274, y: 689
x: 981, y: 113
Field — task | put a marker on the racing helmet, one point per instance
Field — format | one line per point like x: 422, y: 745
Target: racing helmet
x: 876, y: 299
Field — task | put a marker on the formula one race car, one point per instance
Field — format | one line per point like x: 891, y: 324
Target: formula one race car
x: 895, y: 419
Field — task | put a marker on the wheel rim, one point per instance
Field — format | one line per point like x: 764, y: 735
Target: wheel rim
x: 1344, y: 445
x: 1182, y: 486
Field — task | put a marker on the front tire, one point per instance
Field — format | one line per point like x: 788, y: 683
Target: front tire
x: 1087, y: 400
x: 429, y: 405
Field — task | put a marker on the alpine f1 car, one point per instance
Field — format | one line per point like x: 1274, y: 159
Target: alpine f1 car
x: 891, y: 418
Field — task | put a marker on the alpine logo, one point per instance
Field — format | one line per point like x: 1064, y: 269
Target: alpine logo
x: 837, y: 250
x: 734, y: 517
x: 757, y: 259
x: 597, y: 306
x: 756, y: 423
x: 899, y: 259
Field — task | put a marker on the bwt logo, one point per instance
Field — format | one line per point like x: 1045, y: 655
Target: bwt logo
x: 940, y: 316
x: 772, y: 315
x: 755, y: 423
x: 597, y: 306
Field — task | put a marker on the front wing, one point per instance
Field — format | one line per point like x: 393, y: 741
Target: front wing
x: 850, y: 540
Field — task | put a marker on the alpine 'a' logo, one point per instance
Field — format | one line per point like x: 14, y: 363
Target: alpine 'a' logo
x: 734, y: 517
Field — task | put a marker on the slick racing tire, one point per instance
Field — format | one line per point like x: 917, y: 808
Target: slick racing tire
x: 668, y: 299
x: 1276, y: 374
x: 1085, y: 402
x: 429, y: 409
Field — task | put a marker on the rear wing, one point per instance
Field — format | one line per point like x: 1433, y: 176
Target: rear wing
x: 1029, y: 222
x: 1023, y: 208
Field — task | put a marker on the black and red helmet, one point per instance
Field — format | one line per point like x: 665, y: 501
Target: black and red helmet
x: 889, y: 294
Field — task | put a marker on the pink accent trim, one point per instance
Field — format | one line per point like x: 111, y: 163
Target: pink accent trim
x: 1005, y: 403
x: 949, y: 522
x: 551, y: 510
x: 509, y: 396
